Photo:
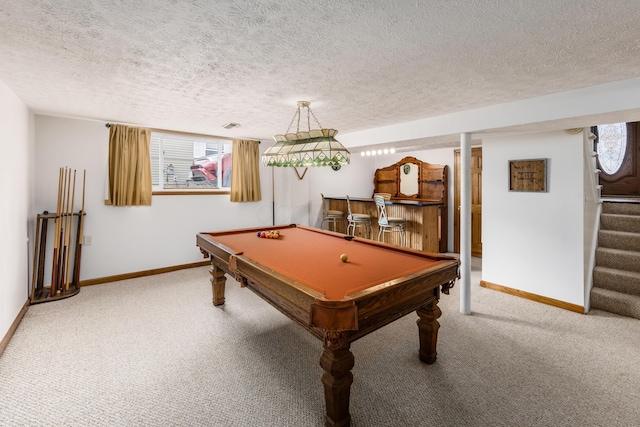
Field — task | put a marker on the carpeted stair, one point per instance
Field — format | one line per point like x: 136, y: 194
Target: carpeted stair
x: 616, y: 276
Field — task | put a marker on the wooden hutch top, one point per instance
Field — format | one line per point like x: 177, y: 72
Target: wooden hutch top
x: 412, y: 179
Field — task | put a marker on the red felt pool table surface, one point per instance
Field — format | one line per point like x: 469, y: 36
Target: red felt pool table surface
x: 312, y: 258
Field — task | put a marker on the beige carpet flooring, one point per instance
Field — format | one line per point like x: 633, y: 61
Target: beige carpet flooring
x: 155, y: 352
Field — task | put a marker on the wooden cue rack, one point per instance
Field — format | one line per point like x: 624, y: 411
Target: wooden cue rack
x: 39, y: 292
x: 66, y: 247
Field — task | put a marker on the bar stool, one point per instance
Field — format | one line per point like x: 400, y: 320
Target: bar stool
x: 388, y: 224
x: 357, y: 219
x: 331, y: 216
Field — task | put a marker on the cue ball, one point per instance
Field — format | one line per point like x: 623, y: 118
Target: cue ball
x: 343, y: 257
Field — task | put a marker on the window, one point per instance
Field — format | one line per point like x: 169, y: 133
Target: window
x: 612, y: 146
x: 189, y: 162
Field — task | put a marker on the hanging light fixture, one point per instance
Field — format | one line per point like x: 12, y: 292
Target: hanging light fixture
x: 313, y: 147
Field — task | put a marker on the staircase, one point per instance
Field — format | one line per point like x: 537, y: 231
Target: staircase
x: 616, y: 276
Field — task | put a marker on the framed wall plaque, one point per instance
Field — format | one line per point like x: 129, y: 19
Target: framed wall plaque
x: 528, y: 175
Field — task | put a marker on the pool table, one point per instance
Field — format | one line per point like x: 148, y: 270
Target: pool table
x: 302, y: 275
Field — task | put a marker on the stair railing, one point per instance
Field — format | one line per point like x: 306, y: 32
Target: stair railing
x: 592, y: 210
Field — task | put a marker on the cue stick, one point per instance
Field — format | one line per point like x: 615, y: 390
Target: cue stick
x: 35, y: 258
x: 73, y: 199
x: 54, y: 266
x: 62, y: 228
x: 62, y: 249
x: 66, y: 230
x: 79, y: 237
x: 42, y: 251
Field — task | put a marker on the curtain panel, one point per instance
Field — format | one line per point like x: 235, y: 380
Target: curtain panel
x: 129, y: 166
x: 245, y: 171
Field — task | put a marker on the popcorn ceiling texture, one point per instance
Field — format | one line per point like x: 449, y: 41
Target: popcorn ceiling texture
x: 196, y: 65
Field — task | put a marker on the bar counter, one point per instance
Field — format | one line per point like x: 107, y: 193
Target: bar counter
x: 426, y: 220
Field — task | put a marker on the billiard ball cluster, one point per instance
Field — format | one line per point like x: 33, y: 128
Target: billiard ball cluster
x: 270, y: 234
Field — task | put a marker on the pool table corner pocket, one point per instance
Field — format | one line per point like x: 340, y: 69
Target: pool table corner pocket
x: 334, y: 315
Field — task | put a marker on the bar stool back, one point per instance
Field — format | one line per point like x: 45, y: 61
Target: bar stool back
x: 387, y: 224
x: 358, y: 219
x: 331, y: 216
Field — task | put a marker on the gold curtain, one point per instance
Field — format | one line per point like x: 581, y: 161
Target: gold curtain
x: 245, y: 171
x: 129, y: 166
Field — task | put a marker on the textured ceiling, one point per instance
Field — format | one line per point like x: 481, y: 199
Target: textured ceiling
x: 196, y: 65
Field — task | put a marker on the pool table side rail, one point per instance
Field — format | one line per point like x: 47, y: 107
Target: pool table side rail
x: 424, y: 254
x: 248, y: 230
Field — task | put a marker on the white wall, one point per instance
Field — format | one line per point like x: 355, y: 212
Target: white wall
x: 131, y: 239
x: 291, y: 194
x: 16, y: 193
x: 534, y: 241
x: 354, y: 180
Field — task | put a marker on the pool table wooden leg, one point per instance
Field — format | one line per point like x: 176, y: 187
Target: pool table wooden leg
x: 218, y: 280
x: 337, y: 361
x: 428, y: 328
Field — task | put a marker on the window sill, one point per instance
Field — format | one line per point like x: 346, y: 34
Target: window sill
x: 207, y: 192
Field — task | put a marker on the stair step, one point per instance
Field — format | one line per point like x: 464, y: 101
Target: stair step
x: 615, y: 302
x: 627, y: 282
x: 616, y: 276
x: 619, y: 240
x: 618, y: 259
x: 621, y: 208
x: 620, y: 222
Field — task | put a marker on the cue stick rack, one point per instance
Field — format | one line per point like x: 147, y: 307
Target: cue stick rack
x: 59, y: 234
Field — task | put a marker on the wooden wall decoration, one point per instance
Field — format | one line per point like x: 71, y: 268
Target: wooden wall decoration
x: 528, y: 175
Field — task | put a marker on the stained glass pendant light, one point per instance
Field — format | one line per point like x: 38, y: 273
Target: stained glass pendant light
x: 313, y: 147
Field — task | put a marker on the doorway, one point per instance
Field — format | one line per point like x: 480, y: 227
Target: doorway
x: 621, y: 179
x: 476, y: 201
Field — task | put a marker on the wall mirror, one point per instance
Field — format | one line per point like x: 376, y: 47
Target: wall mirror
x: 409, y: 177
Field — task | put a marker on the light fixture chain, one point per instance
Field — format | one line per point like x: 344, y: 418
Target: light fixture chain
x: 314, y: 117
x: 297, y: 113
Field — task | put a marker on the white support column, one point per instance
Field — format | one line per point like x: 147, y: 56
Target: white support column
x: 465, y: 223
